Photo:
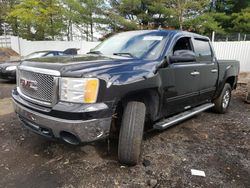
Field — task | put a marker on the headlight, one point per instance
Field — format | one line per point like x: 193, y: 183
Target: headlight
x: 79, y: 90
x: 11, y: 68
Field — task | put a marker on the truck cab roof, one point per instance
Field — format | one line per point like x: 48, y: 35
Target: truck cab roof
x: 171, y: 32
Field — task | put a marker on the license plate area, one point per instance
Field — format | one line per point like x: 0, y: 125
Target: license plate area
x: 36, y: 128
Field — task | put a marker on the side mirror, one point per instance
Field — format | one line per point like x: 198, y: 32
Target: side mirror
x: 182, y: 56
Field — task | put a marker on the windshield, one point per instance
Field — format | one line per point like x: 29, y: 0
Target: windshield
x: 35, y: 55
x: 140, y: 45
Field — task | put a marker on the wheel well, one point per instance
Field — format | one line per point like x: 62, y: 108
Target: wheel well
x: 231, y: 81
x: 149, y: 97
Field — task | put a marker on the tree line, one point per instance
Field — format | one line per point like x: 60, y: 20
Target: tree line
x: 60, y: 19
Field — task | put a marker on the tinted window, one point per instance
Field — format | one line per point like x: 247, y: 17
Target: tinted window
x: 50, y: 54
x: 35, y: 55
x: 61, y: 53
x: 202, y: 49
x: 183, y: 44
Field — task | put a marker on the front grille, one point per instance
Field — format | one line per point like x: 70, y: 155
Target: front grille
x: 43, y: 85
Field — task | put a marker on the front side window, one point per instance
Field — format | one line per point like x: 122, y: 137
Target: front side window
x: 182, y: 51
x: 51, y: 54
x: 35, y: 55
x: 61, y: 53
x: 182, y: 44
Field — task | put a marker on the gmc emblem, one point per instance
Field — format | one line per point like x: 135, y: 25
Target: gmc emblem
x: 28, y: 84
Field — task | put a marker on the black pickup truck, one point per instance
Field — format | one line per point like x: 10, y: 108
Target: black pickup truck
x: 155, y: 78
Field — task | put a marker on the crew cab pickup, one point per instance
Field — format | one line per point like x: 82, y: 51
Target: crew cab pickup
x: 160, y: 77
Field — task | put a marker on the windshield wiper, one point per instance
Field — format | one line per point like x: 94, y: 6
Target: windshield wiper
x: 95, y: 52
x: 124, y: 54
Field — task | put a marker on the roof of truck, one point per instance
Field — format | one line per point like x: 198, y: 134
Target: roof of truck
x: 172, y: 32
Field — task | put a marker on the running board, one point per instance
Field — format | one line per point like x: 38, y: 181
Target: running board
x: 182, y: 116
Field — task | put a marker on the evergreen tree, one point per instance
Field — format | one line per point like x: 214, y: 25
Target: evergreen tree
x: 37, y: 19
x: 55, y: 19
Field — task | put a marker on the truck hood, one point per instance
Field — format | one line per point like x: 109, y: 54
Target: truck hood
x: 112, y: 69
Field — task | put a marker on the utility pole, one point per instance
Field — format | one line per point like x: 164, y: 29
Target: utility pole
x: 213, y: 35
x: 4, y: 33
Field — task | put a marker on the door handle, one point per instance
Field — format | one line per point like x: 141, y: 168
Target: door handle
x: 214, y: 70
x: 195, y: 73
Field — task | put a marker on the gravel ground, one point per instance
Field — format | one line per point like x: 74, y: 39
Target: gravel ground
x: 216, y: 144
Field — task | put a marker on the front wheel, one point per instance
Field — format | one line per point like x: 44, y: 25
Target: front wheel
x: 131, y: 133
x: 223, y: 101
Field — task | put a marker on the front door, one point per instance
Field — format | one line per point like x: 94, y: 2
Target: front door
x: 180, y: 82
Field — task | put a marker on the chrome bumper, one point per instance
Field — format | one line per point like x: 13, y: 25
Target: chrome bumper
x: 85, y: 131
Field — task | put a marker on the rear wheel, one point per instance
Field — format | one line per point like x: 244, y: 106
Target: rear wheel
x: 131, y: 133
x: 223, y: 101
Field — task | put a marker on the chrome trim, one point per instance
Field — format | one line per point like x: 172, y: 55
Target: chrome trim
x: 40, y: 70
x: 182, y: 116
x: 33, y: 100
x: 228, y: 67
x: 195, y: 73
x: 17, y: 78
x: 214, y: 70
x: 50, y: 117
x: 95, y: 107
x: 187, y: 107
x: 55, y: 97
x: 24, y: 102
x: 190, y: 64
x: 86, y: 130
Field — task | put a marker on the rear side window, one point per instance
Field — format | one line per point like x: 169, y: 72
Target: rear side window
x: 202, y: 49
x: 61, y: 53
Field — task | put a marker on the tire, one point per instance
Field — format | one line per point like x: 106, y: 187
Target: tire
x: 131, y: 133
x: 223, y: 101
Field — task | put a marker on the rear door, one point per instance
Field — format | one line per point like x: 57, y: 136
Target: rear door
x: 208, y: 69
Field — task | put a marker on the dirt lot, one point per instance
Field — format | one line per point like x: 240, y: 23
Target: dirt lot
x: 7, y: 54
x: 217, y: 144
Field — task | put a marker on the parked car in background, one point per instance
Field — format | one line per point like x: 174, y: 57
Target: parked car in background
x: 8, y: 69
x: 161, y: 77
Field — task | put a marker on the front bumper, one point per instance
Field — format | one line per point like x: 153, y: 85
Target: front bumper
x: 53, y: 127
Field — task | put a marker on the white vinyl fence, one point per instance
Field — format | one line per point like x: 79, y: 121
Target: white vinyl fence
x: 239, y: 50
x: 25, y: 47
x: 5, y: 42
